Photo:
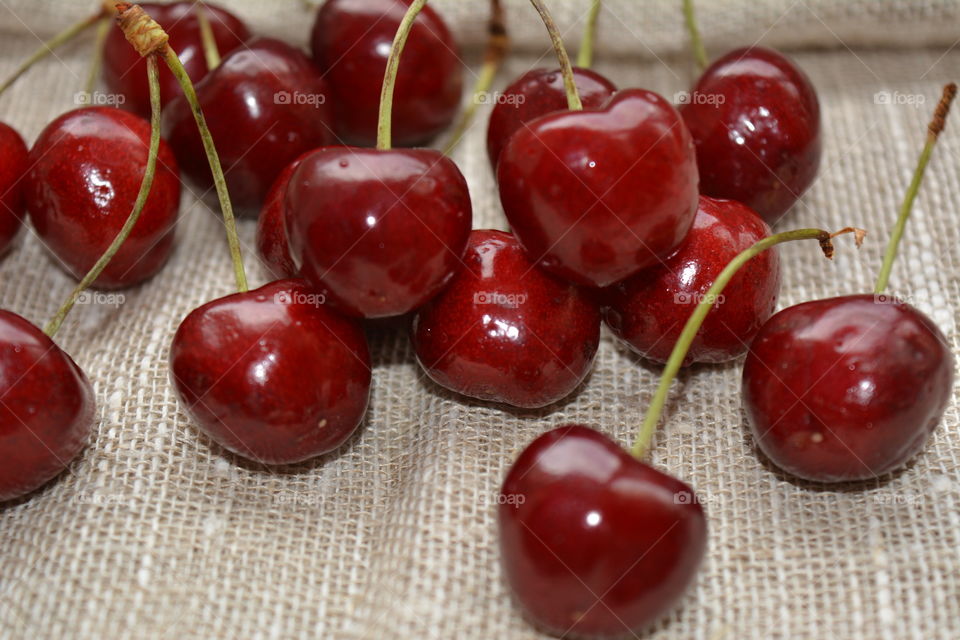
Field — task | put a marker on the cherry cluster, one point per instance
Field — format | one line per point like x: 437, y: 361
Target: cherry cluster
x: 624, y: 210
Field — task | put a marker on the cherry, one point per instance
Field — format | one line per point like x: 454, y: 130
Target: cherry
x: 239, y: 365
x: 272, y: 245
x: 537, y: 93
x: 351, y: 40
x: 649, y: 310
x: 595, y: 543
x: 85, y: 172
x: 597, y: 195
x: 755, y: 120
x: 266, y: 104
x: 13, y: 164
x: 46, y: 408
x: 125, y: 71
x: 505, y: 331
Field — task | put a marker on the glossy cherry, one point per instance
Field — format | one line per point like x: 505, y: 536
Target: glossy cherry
x: 846, y: 388
x: 266, y: 104
x: 125, y: 71
x: 13, y: 165
x: 504, y: 331
x: 272, y: 374
x: 46, y: 408
x: 648, y: 311
x: 85, y: 172
x: 378, y: 232
x: 272, y: 245
x: 595, y: 543
x: 755, y: 120
x: 537, y: 93
x: 351, y: 42
x: 596, y: 195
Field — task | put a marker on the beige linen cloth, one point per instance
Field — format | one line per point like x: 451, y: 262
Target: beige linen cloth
x: 154, y: 532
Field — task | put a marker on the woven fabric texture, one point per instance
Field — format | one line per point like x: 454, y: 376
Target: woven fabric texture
x: 155, y: 532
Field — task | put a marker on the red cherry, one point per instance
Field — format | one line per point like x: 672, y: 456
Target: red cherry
x: 351, y: 42
x: 505, y: 331
x: 271, y: 374
x: 46, y: 408
x: 13, y: 165
x: 85, y: 172
x: 265, y: 105
x: 847, y: 388
x: 125, y: 71
x: 272, y: 245
x: 378, y: 232
x: 537, y: 93
x: 595, y: 543
x: 755, y: 120
x: 649, y: 310
x: 596, y: 195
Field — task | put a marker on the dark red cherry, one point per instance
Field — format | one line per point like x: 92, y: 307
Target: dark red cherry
x: 847, y: 388
x: 378, y: 232
x: 272, y: 374
x: 595, y: 543
x: 125, y: 72
x: 596, y: 195
x: 46, y: 408
x: 755, y: 120
x: 266, y: 104
x: 649, y: 310
x: 13, y: 165
x: 85, y: 173
x: 351, y: 41
x: 272, y: 245
x: 504, y: 331
x: 537, y: 93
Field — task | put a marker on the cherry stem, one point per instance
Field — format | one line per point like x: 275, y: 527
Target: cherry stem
x: 585, y: 55
x: 210, y: 50
x: 497, y: 45
x: 145, y: 185
x: 103, y: 30
x: 696, y: 42
x: 390, y: 75
x: 707, y: 302
x: 573, y: 96
x: 48, y: 47
x: 937, y: 123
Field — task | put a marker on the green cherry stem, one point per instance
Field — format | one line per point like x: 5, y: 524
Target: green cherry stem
x: 103, y: 30
x: 573, y: 96
x: 937, y: 123
x: 497, y: 46
x: 585, y: 55
x: 690, y: 329
x: 210, y: 50
x: 145, y: 185
x: 696, y: 42
x: 384, y: 132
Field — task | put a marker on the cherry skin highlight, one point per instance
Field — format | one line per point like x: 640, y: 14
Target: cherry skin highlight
x: 266, y: 104
x: 595, y: 196
x: 377, y: 232
x: 504, y: 331
x: 13, y: 165
x: 85, y: 173
x: 125, y: 72
x: 272, y: 374
x: 351, y: 42
x: 846, y: 388
x: 755, y: 120
x: 537, y: 93
x: 595, y: 543
x: 649, y: 310
x: 46, y: 408
x: 273, y: 248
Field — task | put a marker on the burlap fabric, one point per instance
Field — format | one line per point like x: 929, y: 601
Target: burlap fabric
x: 154, y: 532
